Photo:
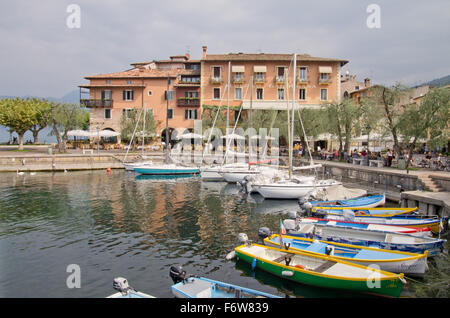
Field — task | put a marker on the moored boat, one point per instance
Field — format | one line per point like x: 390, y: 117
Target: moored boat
x: 166, y: 169
x: 369, y: 201
x: 131, y: 165
x: 320, y: 271
x: 357, y: 211
x: 362, y: 237
x: 188, y: 286
x: 126, y: 291
x: 387, y: 260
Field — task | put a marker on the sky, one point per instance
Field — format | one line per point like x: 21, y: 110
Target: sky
x: 44, y: 52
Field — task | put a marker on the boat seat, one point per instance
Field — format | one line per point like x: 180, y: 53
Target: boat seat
x: 283, y: 258
x: 307, y: 228
x: 317, y: 247
x: 324, y: 266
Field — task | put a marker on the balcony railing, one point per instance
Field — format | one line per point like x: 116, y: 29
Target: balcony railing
x: 238, y: 79
x: 279, y: 79
x: 324, y: 80
x: 216, y: 80
x: 188, y: 101
x: 302, y: 80
x: 96, y: 102
x: 259, y: 79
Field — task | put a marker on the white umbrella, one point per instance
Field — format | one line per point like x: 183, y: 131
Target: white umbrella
x: 265, y: 137
x: 78, y: 133
x: 190, y: 136
x: 233, y: 136
x: 105, y: 133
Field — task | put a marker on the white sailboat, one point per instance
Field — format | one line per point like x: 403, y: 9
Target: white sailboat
x: 292, y: 187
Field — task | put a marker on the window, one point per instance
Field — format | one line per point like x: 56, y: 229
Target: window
x: 238, y: 77
x: 190, y: 114
x: 324, y: 76
x: 106, y: 95
x: 128, y: 82
x: 191, y: 94
x: 302, y: 73
x: 259, y: 93
x: 128, y: 95
x: 170, y: 113
x: 107, y: 113
x: 280, y: 73
x: 356, y: 88
x: 149, y: 93
x: 323, y: 94
x: 216, y: 72
x: 238, y: 93
x: 259, y: 77
x: 169, y: 81
x: 281, y: 93
x: 168, y: 95
x: 302, y: 94
x: 216, y: 93
x: 108, y: 82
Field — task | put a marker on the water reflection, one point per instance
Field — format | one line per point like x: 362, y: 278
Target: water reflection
x: 123, y: 224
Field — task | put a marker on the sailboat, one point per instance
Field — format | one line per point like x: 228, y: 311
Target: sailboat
x: 293, y: 187
x: 169, y: 167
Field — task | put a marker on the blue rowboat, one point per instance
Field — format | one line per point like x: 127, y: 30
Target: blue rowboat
x: 362, y: 237
x: 188, y: 286
x: 371, y: 226
x: 166, y: 169
x: 370, y: 201
x: 356, y: 211
x: 387, y: 260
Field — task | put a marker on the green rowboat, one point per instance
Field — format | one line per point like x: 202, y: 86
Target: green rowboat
x: 321, y: 271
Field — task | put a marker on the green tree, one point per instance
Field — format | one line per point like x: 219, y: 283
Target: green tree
x: 133, y: 122
x: 19, y: 115
x: 429, y: 119
x: 43, y: 113
x: 342, y: 117
x: 65, y: 117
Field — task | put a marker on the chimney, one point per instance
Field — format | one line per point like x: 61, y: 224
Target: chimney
x: 204, y: 51
x: 366, y: 82
x: 188, y: 56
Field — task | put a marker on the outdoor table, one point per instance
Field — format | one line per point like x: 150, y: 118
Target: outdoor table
x: 376, y: 163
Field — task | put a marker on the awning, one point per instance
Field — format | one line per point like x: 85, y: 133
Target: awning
x: 324, y: 69
x: 238, y: 69
x: 259, y: 69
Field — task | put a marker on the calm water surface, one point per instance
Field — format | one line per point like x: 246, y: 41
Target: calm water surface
x: 131, y: 226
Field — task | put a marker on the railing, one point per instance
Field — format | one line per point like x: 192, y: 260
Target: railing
x: 302, y: 79
x: 259, y: 79
x: 279, y: 79
x: 326, y: 80
x: 216, y: 80
x: 181, y: 81
x: 238, y: 79
x: 96, y: 102
x: 188, y: 101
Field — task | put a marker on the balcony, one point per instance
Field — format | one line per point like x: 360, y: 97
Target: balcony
x: 96, y: 102
x: 188, y: 102
x: 302, y: 80
x: 280, y: 79
x: 324, y: 80
x: 184, y: 83
x: 238, y: 79
x: 216, y: 80
x: 259, y: 80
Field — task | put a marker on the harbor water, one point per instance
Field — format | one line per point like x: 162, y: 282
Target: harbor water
x: 122, y: 224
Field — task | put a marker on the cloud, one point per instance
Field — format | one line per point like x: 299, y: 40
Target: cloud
x: 41, y: 56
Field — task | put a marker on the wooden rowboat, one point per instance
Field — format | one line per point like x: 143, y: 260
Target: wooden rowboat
x: 357, y: 211
x: 320, y: 271
x: 387, y: 260
x: 370, y: 201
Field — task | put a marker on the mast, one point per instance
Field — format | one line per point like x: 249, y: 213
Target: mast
x: 292, y: 125
x: 251, y: 100
x: 228, y: 99
x: 167, y: 119
x: 143, y: 132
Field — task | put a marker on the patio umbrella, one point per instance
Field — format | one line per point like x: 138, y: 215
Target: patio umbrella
x: 233, y: 136
x: 190, y: 136
x: 78, y: 133
x: 105, y: 133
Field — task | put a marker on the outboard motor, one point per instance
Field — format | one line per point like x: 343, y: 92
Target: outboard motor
x: 321, y: 214
x: 264, y: 232
x: 292, y: 215
x: 243, y: 184
x: 177, y: 273
x: 121, y: 284
x: 243, y: 238
x: 289, y: 225
x: 349, y: 215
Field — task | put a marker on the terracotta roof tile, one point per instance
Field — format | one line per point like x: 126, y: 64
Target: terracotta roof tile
x: 267, y: 57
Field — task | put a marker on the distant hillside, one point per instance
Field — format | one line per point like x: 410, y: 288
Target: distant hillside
x: 439, y: 81
x: 71, y: 97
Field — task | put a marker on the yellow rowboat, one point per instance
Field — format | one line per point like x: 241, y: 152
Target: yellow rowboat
x: 387, y: 260
x: 320, y: 271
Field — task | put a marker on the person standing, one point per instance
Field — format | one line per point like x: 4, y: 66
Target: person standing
x: 389, y: 157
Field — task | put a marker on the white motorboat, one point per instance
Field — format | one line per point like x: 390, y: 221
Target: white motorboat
x: 131, y: 165
x: 293, y: 188
x: 211, y: 173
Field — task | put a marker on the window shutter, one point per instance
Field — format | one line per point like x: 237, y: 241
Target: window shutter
x: 124, y: 95
x: 132, y: 95
x: 195, y: 113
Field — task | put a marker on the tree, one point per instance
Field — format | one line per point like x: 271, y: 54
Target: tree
x: 19, y: 115
x: 427, y: 120
x: 133, y: 122
x: 42, y: 118
x: 342, y: 117
x: 65, y: 117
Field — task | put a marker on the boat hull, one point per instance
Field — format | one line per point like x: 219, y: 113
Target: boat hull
x: 368, y: 212
x: 166, y: 170
x: 389, y: 286
x: 280, y: 191
x: 387, y: 260
x: 363, y: 202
